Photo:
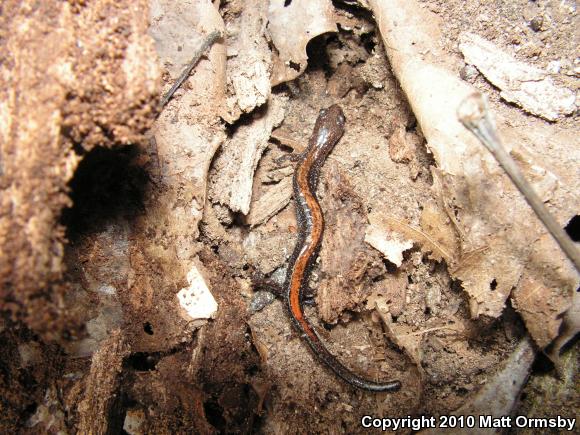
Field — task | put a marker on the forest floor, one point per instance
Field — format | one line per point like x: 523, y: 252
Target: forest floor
x: 136, y: 240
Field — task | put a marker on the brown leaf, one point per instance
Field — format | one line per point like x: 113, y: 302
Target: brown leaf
x: 291, y: 27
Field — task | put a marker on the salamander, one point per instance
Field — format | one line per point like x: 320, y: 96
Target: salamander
x: 328, y: 130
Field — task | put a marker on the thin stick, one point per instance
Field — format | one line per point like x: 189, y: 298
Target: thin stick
x: 208, y: 41
x: 425, y: 331
x: 474, y: 115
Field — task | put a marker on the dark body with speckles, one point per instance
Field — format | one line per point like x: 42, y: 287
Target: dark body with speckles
x: 328, y: 130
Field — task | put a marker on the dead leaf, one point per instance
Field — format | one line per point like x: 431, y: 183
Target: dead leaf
x: 540, y: 307
x: 496, y: 228
x: 178, y: 30
x: 570, y: 328
x: 437, y: 225
x: 545, y: 293
x: 389, y: 243
x: 520, y: 83
x: 392, y: 237
x: 291, y: 27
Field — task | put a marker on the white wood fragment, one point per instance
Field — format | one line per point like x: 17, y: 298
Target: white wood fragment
x: 107, y: 289
x: 197, y: 300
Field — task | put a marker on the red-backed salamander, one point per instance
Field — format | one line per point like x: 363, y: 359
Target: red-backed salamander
x: 328, y: 129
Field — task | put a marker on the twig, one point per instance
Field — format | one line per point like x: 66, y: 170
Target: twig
x: 473, y: 114
x: 425, y: 331
x: 208, y: 41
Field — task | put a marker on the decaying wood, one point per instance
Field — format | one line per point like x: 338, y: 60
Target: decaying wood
x: 239, y: 158
x: 250, y: 61
x: 345, y: 257
x: 101, y: 386
x: 61, y: 87
x: 274, y: 200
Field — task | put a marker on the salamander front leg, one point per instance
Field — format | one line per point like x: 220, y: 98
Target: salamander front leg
x: 288, y: 158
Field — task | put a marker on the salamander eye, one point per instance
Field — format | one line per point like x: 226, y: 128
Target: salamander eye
x: 322, y: 112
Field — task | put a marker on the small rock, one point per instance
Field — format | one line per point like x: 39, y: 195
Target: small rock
x: 261, y: 300
x: 537, y: 23
x: 469, y: 73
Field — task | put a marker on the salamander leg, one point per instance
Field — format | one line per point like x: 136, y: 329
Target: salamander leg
x: 288, y: 158
x: 269, y: 285
x: 308, y: 297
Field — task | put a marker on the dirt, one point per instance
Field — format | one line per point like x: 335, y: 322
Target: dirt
x: 103, y: 219
x: 61, y: 102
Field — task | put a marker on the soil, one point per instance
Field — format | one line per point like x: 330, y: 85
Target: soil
x: 100, y: 233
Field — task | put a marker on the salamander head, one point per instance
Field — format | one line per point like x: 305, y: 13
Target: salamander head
x: 331, y: 118
x: 329, y: 127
